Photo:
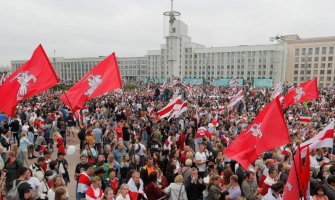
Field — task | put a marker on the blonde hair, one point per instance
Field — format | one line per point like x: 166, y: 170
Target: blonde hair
x: 56, y: 135
x: 179, y: 179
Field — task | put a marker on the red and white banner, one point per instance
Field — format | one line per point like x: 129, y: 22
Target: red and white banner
x: 151, y: 111
x: 168, y: 109
x: 277, y: 91
x: 178, y: 110
x: 305, y: 119
x: 164, y: 86
x: 323, y: 139
x: 235, y: 99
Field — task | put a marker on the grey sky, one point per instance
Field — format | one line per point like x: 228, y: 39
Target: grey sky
x: 81, y: 28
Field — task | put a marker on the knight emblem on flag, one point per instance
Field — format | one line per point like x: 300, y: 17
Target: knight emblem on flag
x: 255, y: 129
x: 93, y: 81
x: 23, y: 79
x: 299, y: 93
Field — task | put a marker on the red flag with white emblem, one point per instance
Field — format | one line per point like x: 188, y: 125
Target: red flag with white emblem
x: 304, y: 92
x: 103, y: 78
x: 259, y: 135
x: 33, y: 77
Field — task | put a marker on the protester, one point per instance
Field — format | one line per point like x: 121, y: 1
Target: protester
x: 124, y: 141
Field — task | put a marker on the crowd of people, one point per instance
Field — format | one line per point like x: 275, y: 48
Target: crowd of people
x: 129, y: 153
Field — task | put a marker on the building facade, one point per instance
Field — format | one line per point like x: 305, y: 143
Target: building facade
x: 292, y: 59
x: 131, y: 69
x: 310, y: 58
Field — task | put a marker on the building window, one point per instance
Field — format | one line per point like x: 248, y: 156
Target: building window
x: 316, y: 59
x: 310, y: 51
x: 295, y: 72
x: 329, y: 71
x: 303, y: 51
x: 323, y: 58
x: 315, y: 72
x: 331, y: 50
x: 301, y: 78
x: 302, y: 72
x: 330, y: 65
x: 322, y: 78
x: 295, y: 78
x: 296, y: 66
x: 322, y: 71
x: 324, y: 50
x: 297, y: 52
x: 330, y: 58
x: 308, y: 72
x: 317, y: 50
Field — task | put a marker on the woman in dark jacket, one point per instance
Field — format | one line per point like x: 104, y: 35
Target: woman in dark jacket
x: 153, y: 190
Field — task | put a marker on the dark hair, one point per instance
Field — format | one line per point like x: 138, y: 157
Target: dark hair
x: 332, y: 169
x: 153, y: 176
x: 248, y: 173
x: 271, y: 170
x: 22, y: 170
x: 319, y: 187
x: 52, y: 164
x: 277, y: 186
x: 40, y: 159
x: 60, y: 154
x: 331, y: 179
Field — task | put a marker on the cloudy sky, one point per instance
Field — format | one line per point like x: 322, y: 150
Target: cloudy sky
x: 86, y: 28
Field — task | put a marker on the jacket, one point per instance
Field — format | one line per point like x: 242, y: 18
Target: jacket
x: 194, y: 190
x: 174, y: 189
x: 330, y: 192
x: 214, y: 193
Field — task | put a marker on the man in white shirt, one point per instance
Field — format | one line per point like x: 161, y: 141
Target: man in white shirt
x: 200, y: 160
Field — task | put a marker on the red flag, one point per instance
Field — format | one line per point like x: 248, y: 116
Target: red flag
x: 291, y: 190
x: 33, y: 77
x: 103, y: 78
x: 298, y: 178
x: 259, y: 136
x: 304, y: 92
x: 305, y: 175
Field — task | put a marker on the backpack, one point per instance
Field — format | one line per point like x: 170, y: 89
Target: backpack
x: 13, y: 193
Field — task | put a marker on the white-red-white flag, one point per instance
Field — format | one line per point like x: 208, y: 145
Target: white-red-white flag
x: 235, y: 99
x: 168, y: 109
x: 324, y: 138
x: 167, y: 143
x: 277, y: 91
x: 150, y: 110
x: 305, y: 119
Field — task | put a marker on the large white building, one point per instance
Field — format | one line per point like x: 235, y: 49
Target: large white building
x: 181, y: 58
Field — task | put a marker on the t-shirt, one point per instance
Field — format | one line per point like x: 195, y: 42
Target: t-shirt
x: 23, y: 188
x: 203, y: 158
x: 97, y: 135
x: 234, y: 192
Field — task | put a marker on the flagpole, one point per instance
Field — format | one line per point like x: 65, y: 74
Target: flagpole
x: 68, y: 101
